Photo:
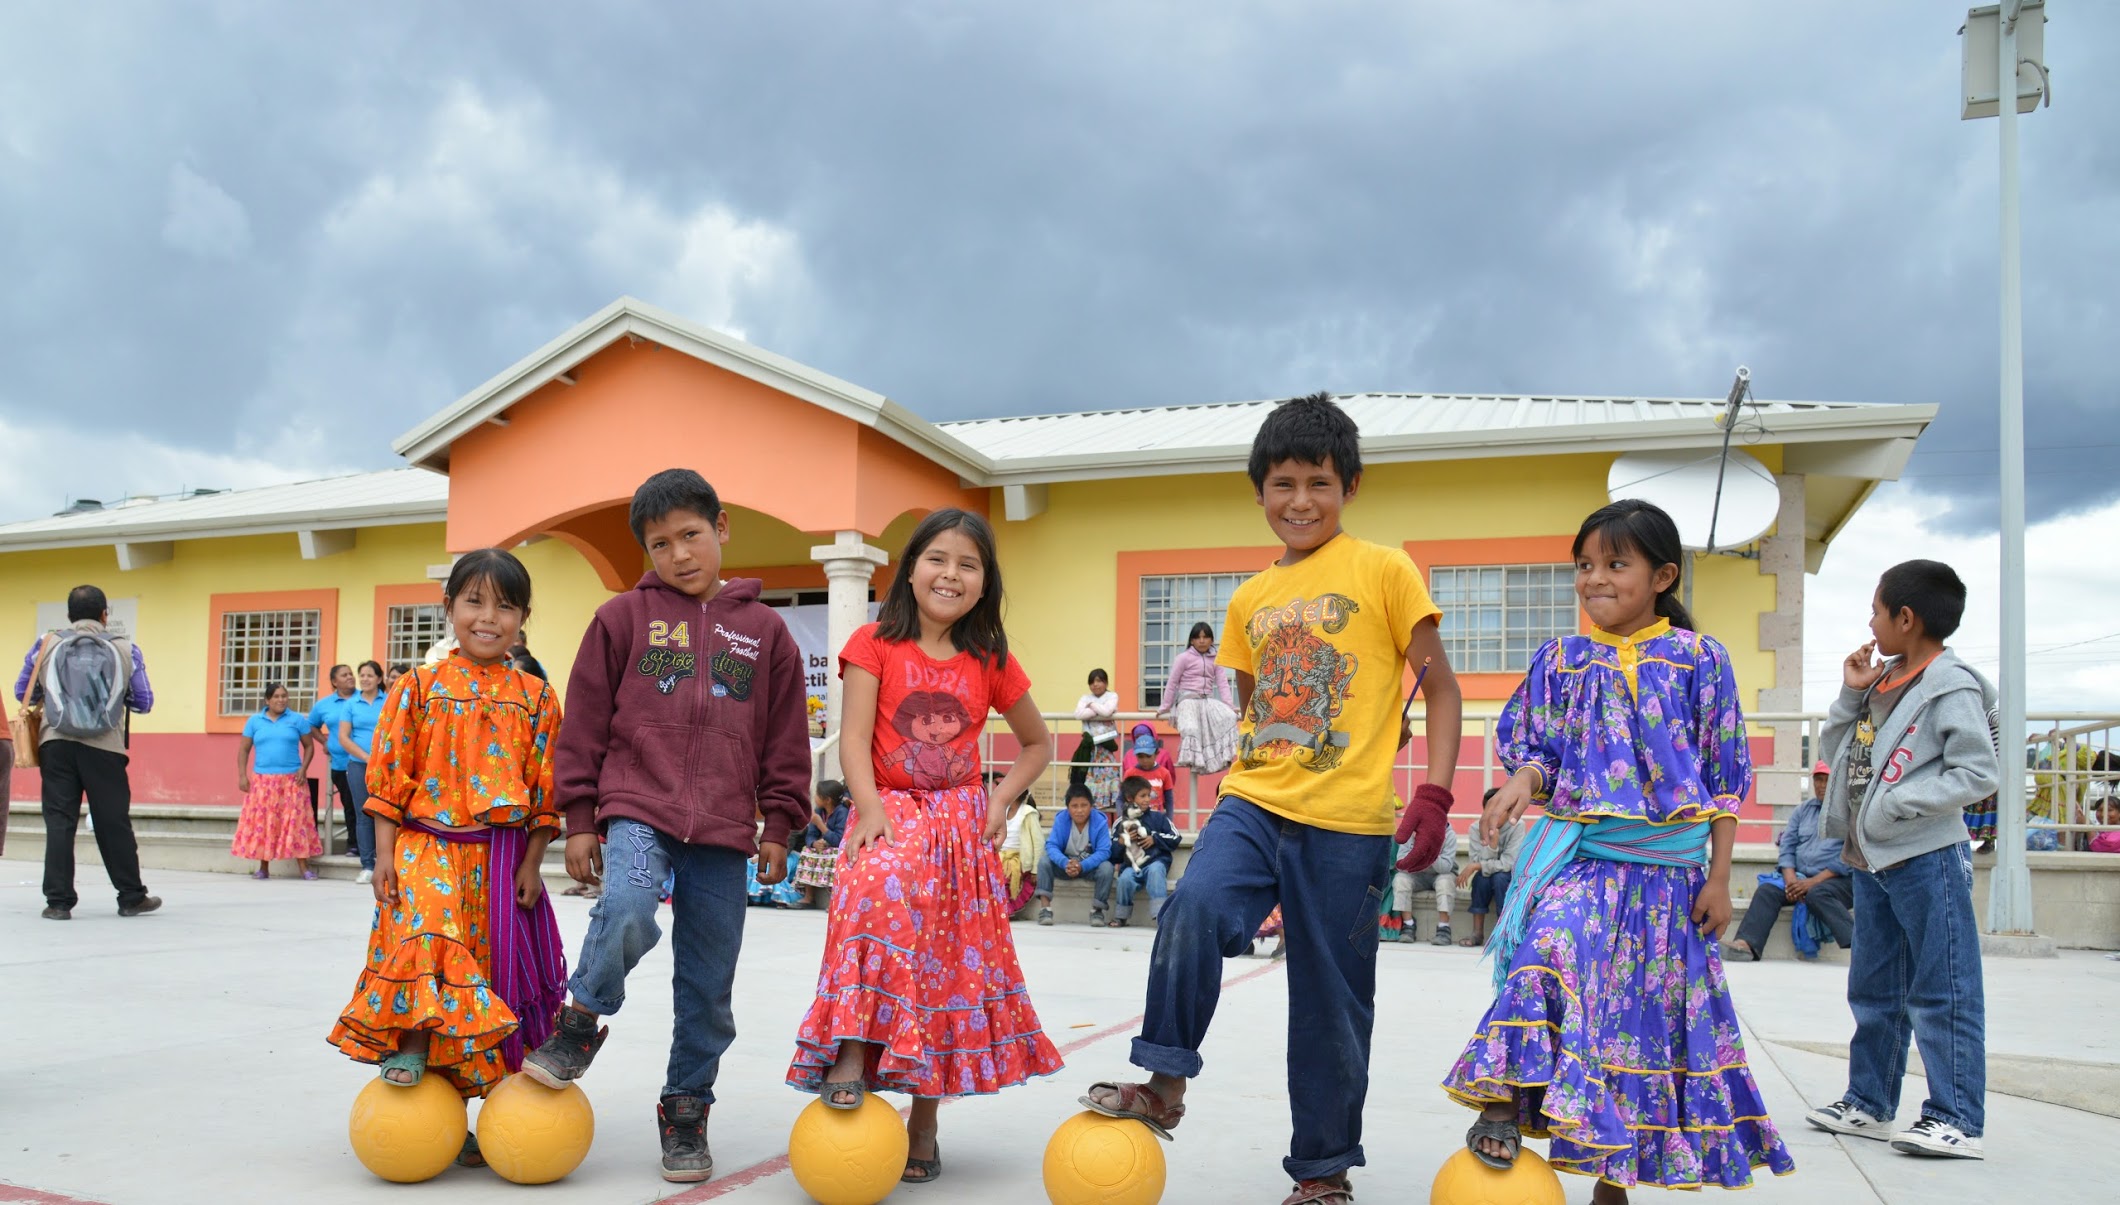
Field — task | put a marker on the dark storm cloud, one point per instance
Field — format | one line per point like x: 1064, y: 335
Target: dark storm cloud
x: 289, y: 238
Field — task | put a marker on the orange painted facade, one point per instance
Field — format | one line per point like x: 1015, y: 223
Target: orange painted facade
x: 570, y: 456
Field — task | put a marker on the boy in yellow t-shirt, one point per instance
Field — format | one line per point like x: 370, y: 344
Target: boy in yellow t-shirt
x: 1320, y: 642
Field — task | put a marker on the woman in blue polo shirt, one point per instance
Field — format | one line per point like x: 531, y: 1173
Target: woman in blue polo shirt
x: 357, y: 720
x: 277, y: 822
x: 324, y: 720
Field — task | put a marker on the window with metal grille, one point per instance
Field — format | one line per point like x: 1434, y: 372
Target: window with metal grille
x: 411, y: 629
x: 258, y: 647
x: 1496, y: 616
x: 1170, y: 606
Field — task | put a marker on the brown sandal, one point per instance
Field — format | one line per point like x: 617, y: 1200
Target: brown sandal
x: 1336, y: 1191
x: 1137, y: 1102
x: 1473, y: 943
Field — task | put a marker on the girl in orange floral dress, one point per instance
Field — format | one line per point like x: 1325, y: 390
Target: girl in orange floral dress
x: 464, y: 962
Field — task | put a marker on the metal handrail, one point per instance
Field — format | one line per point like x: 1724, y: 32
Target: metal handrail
x: 2066, y: 797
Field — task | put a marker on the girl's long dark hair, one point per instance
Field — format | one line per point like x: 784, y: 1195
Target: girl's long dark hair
x: 978, y: 631
x: 1642, y: 528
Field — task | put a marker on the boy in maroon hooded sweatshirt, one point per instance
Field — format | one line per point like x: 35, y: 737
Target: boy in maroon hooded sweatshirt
x: 686, y: 721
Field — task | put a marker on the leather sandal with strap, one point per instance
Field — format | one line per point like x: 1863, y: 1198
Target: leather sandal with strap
x: 1336, y: 1191
x: 1137, y: 1102
x: 1500, y: 1130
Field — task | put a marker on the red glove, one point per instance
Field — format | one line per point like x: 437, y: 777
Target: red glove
x: 1421, y: 828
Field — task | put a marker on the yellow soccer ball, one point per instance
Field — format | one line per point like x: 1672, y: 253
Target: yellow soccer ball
x: 406, y: 1135
x: 848, y: 1156
x: 530, y: 1134
x: 1464, y: 1180
x: 1098, y: 1160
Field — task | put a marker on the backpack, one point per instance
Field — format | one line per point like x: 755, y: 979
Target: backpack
x: 86, y: 681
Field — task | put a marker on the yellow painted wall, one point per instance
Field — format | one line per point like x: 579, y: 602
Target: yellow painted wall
x: 1060, y: 568
x: 564, y: 596
x: 1062, y: 574
x: 175, y: 608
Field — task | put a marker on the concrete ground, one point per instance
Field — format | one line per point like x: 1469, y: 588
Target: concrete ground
x: 179, y: 1057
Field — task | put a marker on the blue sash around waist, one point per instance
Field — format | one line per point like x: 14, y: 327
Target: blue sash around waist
x: 1553, y: 843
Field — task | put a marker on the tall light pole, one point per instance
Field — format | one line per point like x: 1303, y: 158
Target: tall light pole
x: 1992, y: 86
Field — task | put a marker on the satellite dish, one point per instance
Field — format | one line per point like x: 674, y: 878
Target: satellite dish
x: 1684, y: 484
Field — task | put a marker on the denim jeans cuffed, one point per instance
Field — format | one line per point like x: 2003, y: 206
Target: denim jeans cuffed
x: 707, y: 910
x: 1915, y: 971
x: 1330, y: 886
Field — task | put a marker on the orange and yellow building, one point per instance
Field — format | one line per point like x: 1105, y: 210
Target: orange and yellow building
x: 1116, y: 529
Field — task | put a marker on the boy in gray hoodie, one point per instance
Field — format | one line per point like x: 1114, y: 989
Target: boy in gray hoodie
x: 1911, y: 742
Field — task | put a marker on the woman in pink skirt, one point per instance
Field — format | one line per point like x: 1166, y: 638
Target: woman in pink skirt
x: 277, y: 821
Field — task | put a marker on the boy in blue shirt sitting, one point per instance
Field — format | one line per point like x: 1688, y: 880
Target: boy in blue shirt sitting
x: 1080, y: 846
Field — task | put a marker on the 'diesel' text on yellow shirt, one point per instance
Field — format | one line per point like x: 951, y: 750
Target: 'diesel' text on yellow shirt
x: 1324, y: 641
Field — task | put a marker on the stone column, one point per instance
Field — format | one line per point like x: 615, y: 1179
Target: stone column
x: 849, y: 565
x: 1781, y: 555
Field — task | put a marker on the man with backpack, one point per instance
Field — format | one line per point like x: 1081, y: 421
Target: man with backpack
x: 86, y: 679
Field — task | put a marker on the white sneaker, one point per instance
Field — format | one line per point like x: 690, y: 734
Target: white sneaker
x: 1842, y: 1117
x: 366, y: 876
x: 1931, y: 1136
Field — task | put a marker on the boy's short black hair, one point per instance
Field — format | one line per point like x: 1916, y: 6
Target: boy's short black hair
x: 1930, y: 589
x: 1078, y: 791
x: 86, y: 602
x: 1098, y: 675
x: 671, y: 490
x: 1313, y: 430
x: 1133, y: 785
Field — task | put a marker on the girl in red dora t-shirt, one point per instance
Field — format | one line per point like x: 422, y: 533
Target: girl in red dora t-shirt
x: 918, y: 928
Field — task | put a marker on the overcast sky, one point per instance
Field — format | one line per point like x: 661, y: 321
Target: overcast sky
x: 242, y: 243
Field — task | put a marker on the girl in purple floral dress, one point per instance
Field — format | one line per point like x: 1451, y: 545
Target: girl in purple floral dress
x: 1612, y: 1031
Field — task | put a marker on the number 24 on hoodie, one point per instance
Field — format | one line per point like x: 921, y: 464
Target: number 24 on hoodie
x: 689, y: 716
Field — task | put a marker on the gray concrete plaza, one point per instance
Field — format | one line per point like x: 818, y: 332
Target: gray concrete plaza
x: 179, y: 1057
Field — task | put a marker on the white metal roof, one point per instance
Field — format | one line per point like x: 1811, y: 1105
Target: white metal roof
x: 383, y: 499
x: 1170, y: 439
x: 1403, y: 426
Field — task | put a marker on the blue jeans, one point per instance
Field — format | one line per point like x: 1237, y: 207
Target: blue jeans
x: 1156, y: 875
x: 1488, y: 892
x: 1100, y: 880
x: 1330, y: 887
x: 707, y: 904
x: 1915, y: 970
x: 363, y: 823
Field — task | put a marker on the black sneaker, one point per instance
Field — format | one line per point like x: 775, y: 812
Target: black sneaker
x: 55, y: 912
x: 683, y: 1122
x: 568, y: 1052
x: 144, y: 906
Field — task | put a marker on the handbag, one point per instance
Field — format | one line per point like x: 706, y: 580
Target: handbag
x: 26, y: 726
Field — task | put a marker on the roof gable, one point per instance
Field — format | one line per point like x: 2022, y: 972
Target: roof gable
x: 427, y: 445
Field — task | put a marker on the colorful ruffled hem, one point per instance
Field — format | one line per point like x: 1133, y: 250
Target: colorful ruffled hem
x: 1703, y: 1123
x: 920, y: 962
x: 427, y: 969
x: 276, y: 822
x: 430, y: 984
